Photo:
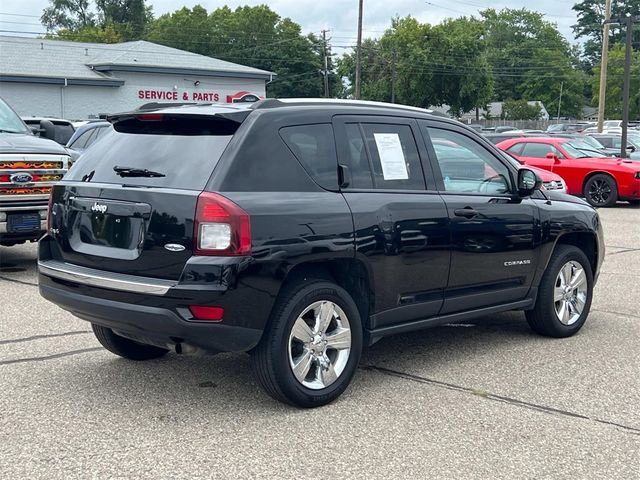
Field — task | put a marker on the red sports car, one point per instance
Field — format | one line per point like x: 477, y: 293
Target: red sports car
x: 601, y: 180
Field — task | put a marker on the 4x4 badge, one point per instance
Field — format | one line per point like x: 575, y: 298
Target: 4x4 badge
x: 99, y: 208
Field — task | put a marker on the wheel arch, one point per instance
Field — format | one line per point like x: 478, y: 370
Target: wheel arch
x: 585, y: 241
x: 351, y: 274
x: 593, y: 174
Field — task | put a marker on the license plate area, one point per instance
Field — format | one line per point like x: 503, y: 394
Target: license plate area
x: 23, y: 222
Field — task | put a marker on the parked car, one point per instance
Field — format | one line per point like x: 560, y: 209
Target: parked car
x: 29, y: 166
x: 601, y: 180
x: 612, y: 144
x: 568, y: 127
x: 505, y: 128
x: 42, y: 126
x: 85, y: 136
x: 302, y: 230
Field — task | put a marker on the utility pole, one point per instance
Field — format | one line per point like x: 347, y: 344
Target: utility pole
x: 628, y: 21
x: 604, y: 59
x: 358, y: 52
x: 625, y: 88
x: 560, y: 102
x: 394, y: 75
x: 326, y: 64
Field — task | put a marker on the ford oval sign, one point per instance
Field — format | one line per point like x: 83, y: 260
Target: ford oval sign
x: 21, y: 178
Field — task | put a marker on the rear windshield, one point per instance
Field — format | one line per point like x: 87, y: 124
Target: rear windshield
x: 176, y: 152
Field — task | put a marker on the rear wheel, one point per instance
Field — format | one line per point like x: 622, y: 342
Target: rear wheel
x: 124, y: 347
x: 601, y: 191
x: 311, y: 350
x: 564, y: 296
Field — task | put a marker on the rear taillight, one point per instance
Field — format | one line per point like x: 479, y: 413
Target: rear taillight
x: 221, y: 227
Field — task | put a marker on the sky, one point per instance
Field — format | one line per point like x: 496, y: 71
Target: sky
x: 338, y: 16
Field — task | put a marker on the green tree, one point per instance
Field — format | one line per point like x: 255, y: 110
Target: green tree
x: 590, y: 15
x: 253, y: 36
x: 100, y: 21
x: 615, y: 80
x: 531, y: 60
x: 520, y: 110
x: 445, y: 64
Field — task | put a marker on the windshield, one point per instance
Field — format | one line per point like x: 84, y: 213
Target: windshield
x: 9, y: 121
x: 556, y: 127
x: 595, y: 144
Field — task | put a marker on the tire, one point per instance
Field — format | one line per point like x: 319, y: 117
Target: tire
x: 545, y: 318
x: 635, y: 202
x: 601, y: 190
x: 281, y: 347
x: 124, y: 347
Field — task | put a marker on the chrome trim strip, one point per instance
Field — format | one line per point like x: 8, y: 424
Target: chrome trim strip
x: 19, y: 208
x: 102, y: 279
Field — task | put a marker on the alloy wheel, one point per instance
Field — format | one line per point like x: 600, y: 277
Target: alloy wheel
x: 599, y: 191
x: 570, y: 292
x: 319, y: 345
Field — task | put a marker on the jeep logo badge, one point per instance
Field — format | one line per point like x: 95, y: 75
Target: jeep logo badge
x: 21, y: 178
x: 99, y: 208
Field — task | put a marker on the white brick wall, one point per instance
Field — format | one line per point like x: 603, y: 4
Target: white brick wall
x: 82, y: 102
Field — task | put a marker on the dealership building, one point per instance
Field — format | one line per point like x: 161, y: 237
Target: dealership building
x: 76, y: 81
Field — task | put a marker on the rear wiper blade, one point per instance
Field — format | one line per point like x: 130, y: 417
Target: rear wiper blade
x: 136, y: 172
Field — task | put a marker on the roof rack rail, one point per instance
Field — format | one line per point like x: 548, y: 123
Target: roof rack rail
x: 282, y: 102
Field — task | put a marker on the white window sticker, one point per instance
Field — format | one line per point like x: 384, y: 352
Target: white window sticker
x: 394, y: 165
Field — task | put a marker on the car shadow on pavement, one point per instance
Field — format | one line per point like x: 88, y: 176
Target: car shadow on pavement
x: 226, y: 380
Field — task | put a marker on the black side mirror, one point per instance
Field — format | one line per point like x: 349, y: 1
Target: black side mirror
x: 528, y: 182
x: 47, y: 129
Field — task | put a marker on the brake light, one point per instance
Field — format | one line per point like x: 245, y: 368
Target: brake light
x: 220, y: 227
x: 150, y: 117
x: 202, y: 312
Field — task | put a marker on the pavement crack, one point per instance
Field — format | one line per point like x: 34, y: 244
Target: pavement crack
x: 499, y: 398
x: 39, y: 337
x: 615, y: 313
x: 50, y: 357
x: 624, y: 251
x: 21, y: 282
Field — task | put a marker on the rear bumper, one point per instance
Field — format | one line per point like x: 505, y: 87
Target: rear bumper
x: 151, y: 324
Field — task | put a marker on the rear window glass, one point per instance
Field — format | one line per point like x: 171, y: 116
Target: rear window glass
x: 313, y: 145
x: 182, y: 152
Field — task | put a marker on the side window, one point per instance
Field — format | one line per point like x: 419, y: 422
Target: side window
x: 393, y: 155
x: 383, y: 156
x: 81, y: 141
x: 359, y: 166
x: 540, y: 150
x: 314, y: 147
x: 516, y: 149
x: 466, y: 166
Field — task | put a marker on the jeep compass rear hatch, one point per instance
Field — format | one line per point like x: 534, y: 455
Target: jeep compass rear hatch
x: 128, y: 204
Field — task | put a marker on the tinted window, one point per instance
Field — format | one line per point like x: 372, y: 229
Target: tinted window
x: 81, y: 141
x: 359, y: 167
x: 466, y: 166
x: 314, y: 147
x: 184, y: 150
x: 516, y: 149
x: 539, y: 150
x: 389, y: 152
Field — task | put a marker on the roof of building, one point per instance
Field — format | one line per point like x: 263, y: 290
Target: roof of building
x: 34, y: 58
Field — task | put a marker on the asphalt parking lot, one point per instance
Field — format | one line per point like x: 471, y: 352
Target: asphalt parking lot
x: 482, y: 400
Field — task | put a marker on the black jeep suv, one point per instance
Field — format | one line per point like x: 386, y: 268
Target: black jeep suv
x: 303, y: 230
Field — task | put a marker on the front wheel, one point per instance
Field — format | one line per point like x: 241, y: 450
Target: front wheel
x: 564, y: 296
x: 312, y: 347
x: 601, y: 191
